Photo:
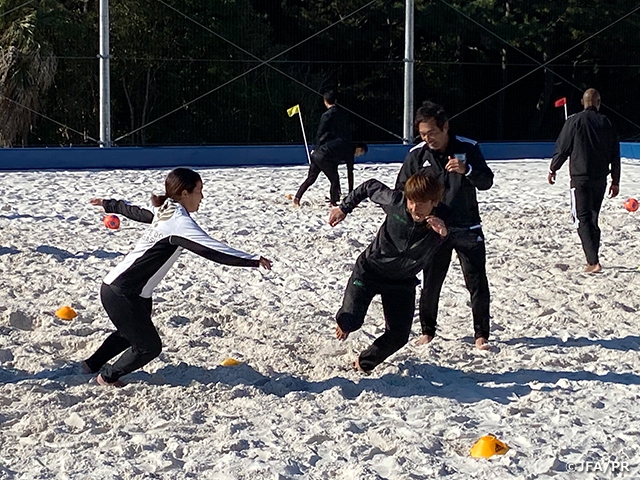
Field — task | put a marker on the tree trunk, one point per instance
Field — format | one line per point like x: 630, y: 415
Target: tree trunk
x: 132, y: 115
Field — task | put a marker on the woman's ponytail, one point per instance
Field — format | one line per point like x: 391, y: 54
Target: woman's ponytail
x: 177, y: 181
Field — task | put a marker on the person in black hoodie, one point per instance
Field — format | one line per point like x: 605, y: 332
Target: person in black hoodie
x: 332, y: 146
x: 458, y: 163
x: 591, y: 141
x: 405, y: 243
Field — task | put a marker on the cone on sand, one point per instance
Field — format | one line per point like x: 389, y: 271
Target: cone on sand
x: 230, y: 362
x: 66, y: 313
x: 488, y: 446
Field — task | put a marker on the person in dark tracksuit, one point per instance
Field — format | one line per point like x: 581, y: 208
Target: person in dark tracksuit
x: 591, y: 141
x: 328, y: 164
x: 458, y: 163
x: 405, y: 243
x: 332, y: 146
x: 126, y: 290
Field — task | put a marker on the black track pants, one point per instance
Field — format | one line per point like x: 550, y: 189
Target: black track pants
x: 136, y: 336
x: 330, y: 169
x: 470, y: 248
x: 398, y: 303
x: 586, y: 200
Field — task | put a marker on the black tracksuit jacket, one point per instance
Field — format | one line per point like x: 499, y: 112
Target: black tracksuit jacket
x: 402, y: 247
x: 594, y: 147
x: 459, y: 208
x: 333, y: 138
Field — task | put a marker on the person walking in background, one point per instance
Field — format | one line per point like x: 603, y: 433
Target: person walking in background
x: 406, y: 242
x: 126, y: 290
x: 459, y: 165
x: 593, y: 145
x: 332, y: 146
x: 330, y: 168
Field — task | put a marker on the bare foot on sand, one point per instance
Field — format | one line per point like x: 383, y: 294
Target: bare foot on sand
x: 356, y: 366
x: 593, y: 268
x: 482, y: 344
x: 424, y: 339
x: 341, y: 334
x: 104, y: 383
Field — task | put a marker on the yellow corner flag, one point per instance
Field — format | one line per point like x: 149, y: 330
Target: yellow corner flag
x: 293, y: 110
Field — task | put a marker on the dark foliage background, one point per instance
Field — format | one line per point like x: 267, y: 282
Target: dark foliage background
x: 208, y: 54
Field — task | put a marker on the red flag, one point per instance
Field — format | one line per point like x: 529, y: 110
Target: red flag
x: 560, y: 102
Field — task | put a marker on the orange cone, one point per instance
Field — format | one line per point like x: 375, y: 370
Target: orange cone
x: 66, y: 313
x: 488, y: 446
x: 230, y: 362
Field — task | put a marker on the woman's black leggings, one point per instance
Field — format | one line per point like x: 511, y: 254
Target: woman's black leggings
x: 136, y: 336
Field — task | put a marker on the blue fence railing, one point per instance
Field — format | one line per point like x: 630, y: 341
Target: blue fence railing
x: 68, y: 158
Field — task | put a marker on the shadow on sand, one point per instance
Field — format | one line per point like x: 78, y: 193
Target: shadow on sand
x: 15, y: 216
x: 631, y: 342
x: 62, y: 255
x: 418, y: 379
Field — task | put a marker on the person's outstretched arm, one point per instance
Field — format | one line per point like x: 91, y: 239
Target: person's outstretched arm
x: 373, y: 189
x: 122, y: 208
x: 191, y: 237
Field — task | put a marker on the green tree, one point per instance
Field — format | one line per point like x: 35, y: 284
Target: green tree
x: 165, y: 57
x: 202, y: 54
x: 27, y: 67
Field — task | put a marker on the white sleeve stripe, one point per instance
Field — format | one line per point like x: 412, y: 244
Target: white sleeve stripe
x: 418, y: 146
x: 192, y: 232
x: 466, y: 140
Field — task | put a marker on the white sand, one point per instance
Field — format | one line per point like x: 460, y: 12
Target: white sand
x: 561, y: 386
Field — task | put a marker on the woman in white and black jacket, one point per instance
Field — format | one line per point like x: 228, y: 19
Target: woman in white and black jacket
x: 126, y: 291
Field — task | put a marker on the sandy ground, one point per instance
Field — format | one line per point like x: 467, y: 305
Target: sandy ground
x: 561, y: 385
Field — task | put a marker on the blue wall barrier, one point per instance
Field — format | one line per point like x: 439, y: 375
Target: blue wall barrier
x: 69, y: 158
x: 630, y: 150
x: 517, y: 150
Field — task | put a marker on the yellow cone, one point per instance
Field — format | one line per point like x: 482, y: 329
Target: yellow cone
x: 488, y: 446
x: 66, y: 313
x: 230, y: 362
